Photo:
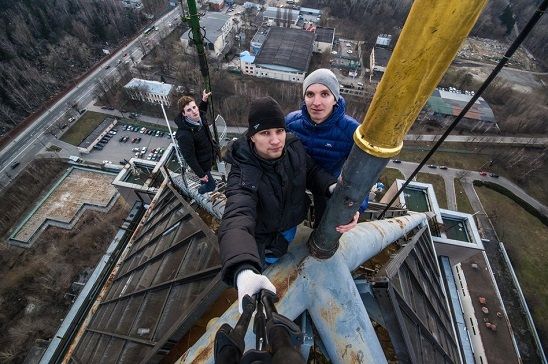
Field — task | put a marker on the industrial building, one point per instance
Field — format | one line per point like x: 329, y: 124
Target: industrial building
x: 445, y: 104
x: 284, y: 55
x: 220, y: 30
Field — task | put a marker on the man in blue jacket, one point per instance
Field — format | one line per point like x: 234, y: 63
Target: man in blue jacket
x: 323, y: 127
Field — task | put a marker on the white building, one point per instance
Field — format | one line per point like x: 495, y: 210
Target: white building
x: 323, y: 43
x: 220, y: 30
x: 281, y: 17
x: 149, y: 91
x: 284, y: 55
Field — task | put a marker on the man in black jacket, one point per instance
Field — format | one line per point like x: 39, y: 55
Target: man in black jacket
x: 195, y: 140
x: 266, y: 197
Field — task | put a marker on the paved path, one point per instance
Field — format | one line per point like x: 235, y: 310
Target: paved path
x: 500, y: 270
x: 448, y: 175
x: 485, y: 139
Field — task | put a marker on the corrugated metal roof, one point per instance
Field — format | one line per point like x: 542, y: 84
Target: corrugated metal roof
x: 412, y: 300
x: 325, y: 35
x: 452, y: 103
x: 287, y: 47
x: 167, y: 279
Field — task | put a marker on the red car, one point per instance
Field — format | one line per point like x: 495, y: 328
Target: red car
x: 483, y: 173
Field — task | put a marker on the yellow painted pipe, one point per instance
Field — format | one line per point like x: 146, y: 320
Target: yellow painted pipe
x: 429, y: 41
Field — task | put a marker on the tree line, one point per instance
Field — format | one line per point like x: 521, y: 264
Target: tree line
x: 371, y: 17
x: 46, y: 45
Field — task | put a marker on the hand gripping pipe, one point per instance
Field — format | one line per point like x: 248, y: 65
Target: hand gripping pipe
x: 429, y: 41
x: 326, y: 289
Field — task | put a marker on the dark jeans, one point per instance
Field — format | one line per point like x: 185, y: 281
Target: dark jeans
x: 207, y: 186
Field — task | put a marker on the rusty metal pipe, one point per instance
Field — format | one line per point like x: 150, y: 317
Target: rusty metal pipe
x: 429, y: 41
x: 326, y: 289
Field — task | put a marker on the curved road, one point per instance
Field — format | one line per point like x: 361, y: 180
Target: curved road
x: 467, y: 177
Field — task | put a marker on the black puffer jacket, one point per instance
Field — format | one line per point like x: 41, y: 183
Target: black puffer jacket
x: 264, y: 198
x: 196, y: 142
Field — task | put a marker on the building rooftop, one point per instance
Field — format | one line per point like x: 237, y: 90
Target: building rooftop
x: 260, y: 35
x: 247, y: 57
x: 325, y: 35
x: 310, y: 11
x: 153, y: 87
x: 382, y: 56
x: 167, y: 277
x: 452, y: 102
x: 287, y: 47
x: 280, y: 13
x: 212, y: 22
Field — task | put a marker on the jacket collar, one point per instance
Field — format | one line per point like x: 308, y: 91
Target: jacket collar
x: 240, y: 152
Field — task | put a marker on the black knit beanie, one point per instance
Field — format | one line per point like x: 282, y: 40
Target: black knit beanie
x: 264, y: 113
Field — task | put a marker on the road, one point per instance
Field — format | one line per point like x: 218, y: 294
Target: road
x: 467, y: 178
x: 25, y: 146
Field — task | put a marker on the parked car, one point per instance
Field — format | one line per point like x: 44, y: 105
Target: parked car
x: 107, y: 67
x: 70, y: 120
x: 443, y: 167
x: 483, y: 173
x: 124, y: 162
x: 432, y: 166
x: 396, y: 161
x: 82, y: 111
x: 15, y: 165
x: 494, y: 175
x: 98, y: 147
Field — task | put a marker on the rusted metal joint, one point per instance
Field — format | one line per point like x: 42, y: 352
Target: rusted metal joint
x: 317, y: 252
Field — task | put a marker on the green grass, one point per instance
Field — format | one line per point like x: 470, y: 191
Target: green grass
x: 463, y: 204
x: 438, y: 184
x: 389, y: 175
x: 476, y: 157
x: 524, y: 237
x: 456, y: 158
x: 83, y: 127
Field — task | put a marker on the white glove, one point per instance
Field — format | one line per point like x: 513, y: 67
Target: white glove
x: 332, y: 188
x: 249, y: 282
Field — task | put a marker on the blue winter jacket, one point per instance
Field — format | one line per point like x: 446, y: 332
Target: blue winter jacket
x: 328, y: 143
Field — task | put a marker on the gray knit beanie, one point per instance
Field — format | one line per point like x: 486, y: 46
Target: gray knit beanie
x: 324, y: 77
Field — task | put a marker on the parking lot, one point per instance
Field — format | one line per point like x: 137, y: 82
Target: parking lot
x: 116, y: 150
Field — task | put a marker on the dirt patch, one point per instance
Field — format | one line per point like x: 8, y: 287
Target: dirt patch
x: 79, y: 190
x: 35, y: 286
x: 26, y: 189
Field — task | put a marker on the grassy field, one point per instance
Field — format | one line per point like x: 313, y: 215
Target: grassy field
x: 463, y: 204
x: 525, y: 238
x: 478, y: 157
x: 439, y: 186
x: 455, y: 157
x: 83, y: 127
x: 389, y: 175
